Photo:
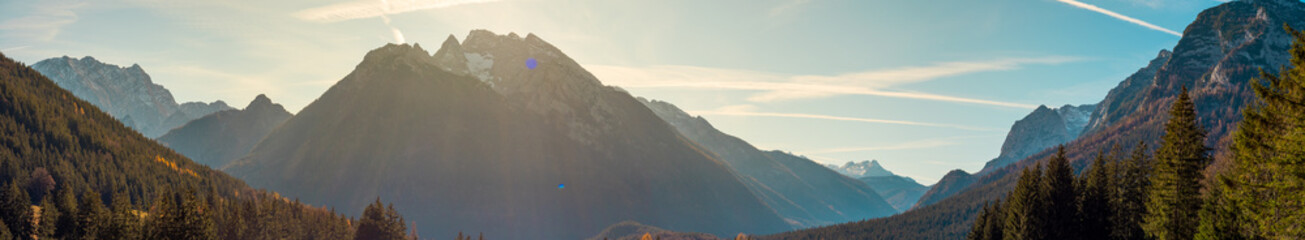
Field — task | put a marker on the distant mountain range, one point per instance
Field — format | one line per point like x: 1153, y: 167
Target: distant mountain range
x: 900, y: 191
x: 805, y: 193
x: 128, y: 94
x: 861, y: 169
x: 219, y: 138
x: 1217, y: 58
x: 529, y: 153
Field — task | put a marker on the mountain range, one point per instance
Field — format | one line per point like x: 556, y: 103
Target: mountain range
x: 126, y: 93
x: 530, y: 153
x: 861, y: 169
x: 219, y: 138
x: 805, y: 193
x: 86, y: 157
x: 900, y: 191
x: 1217, y: 58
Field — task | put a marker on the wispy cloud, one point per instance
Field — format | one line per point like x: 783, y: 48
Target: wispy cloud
x: 929, y: 143
x: 780, y: 87
x: 918, y: 144
x: 371, y: 9
x: 1115, y: 15
x: 398, y: 35
x: 45, y: 20
x: 749, y: 111
x: 8, y: 50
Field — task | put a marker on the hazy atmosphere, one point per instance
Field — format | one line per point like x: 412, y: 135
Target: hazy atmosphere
x: 921, y: 86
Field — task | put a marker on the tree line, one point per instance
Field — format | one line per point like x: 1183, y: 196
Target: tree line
x: 1167, y: 196
x: 70, y: 171
x: 186, y: 214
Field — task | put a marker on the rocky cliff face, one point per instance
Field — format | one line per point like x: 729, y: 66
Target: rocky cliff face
x: 1127, y: 93
x: 127, y: 94
x: 1041, y: 129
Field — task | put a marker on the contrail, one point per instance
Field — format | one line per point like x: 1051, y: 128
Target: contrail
x: 1119, y: 16
x: 835, y: 118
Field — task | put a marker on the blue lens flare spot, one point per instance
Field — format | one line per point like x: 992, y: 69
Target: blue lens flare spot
x: 531, y: 63
x: 561, y: 186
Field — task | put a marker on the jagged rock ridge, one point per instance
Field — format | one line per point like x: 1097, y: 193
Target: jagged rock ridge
x: 127, y: 94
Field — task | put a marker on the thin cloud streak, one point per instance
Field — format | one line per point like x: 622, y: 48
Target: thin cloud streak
x: 829, y: 117
x: 9, y: 50
x: 918, y: 144
x: 370, y: 9
x: 1115, y: 15
x: 931, y: 143
x: 897, y: 76
x: 779, y: 87
x: 43, y: 22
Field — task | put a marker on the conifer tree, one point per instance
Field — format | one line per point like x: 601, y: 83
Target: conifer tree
x: 66, y: 202
x: 1174, y: 201
x: 1026, y: 207
x: 182, y: 216
x: 15, y: 210
x: 1130, y: 194
x: 1062, y: 214
x: 1094, y: 203
x: 989, y: 224
x: 49, y: 216
x: 4, y: 231
x: 1220, y: 219
x: 90, y: 216
x: 1268, y: 175
x: 122, y: 224
x: 381, y: 223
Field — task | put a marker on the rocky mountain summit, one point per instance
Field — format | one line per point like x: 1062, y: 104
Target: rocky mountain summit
x: 126, y: 93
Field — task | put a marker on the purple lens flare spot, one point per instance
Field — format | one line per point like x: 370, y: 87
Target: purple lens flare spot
x: 531, y: 63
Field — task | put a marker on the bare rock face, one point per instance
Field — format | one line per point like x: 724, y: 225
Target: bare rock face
x: 127, y: 94
x: 1043, y: 128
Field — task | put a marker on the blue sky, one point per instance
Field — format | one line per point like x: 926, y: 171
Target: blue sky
x: 922, y: 86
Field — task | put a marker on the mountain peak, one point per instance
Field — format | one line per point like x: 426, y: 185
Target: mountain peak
x: 449, y: 43
x: 263, y: 103
x: 1042, y: 108
x: 84, y: 59
x: 451, y: 58
x: 480, y: 40
x: 394, y: 51
x: 861, y: 169
x: 260, y: 100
